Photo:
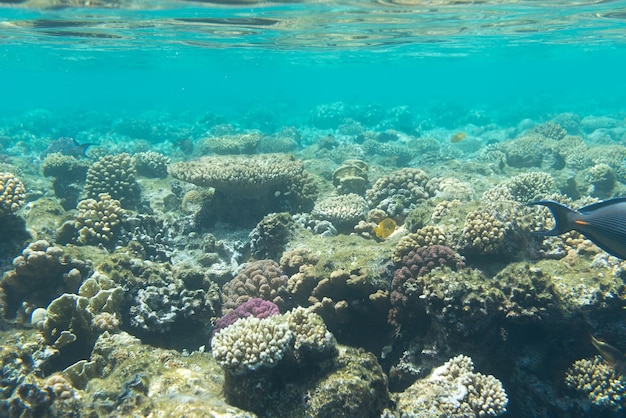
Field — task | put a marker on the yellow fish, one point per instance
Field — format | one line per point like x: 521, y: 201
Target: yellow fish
x: 458, y: 137
x: 385, y: 228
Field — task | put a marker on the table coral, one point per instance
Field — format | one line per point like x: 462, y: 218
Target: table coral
x: 115, y: 175
x: 244, y: 143
x: 239, y: 176
x: 12, y: 194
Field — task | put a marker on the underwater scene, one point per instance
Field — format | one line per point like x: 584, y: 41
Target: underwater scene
x: 315, y: 208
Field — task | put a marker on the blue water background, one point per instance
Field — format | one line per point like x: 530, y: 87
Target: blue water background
x: 525, y: 73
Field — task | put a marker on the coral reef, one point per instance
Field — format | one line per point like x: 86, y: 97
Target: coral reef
x: 160, y: 298
x: 98, y: 221
x: 151, y: 164
x: 259, y: 279
x: 12, y: 194
x: 343, y: 211
x: 115, y: 175
x: 454, y: 389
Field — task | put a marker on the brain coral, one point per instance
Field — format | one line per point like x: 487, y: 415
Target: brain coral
x: 343, y: 211
x: 115, y: 175
x: 98, y: 221
x: 12, y: 193
x: 263, y: 279
x: 237, y: 175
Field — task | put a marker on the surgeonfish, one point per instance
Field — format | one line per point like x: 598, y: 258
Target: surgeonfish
x: 604, y: 223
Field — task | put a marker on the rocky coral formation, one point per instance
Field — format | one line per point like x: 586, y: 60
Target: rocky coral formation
x: 343, y: 211
x: 12, y: 194
x: 454, y: 389
x: 98, y: 221
x: 406, y: 291
x: 151, y: 164
x: 159, y: 298
x: 115, y: 175
x: 271, y: 235
x: 259, y: 279
x: 81, y: 318
x: 69, y: 175
x: 40, y: 274
x: 604, y: 386
x: 312, y: 340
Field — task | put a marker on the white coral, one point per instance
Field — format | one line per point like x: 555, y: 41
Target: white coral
x: 251, y: 343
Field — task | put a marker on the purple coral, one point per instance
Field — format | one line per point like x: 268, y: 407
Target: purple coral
x: 256, y: 307
x: 406, y: 289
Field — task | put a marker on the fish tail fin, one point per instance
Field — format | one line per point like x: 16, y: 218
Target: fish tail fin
x: 563, y: 217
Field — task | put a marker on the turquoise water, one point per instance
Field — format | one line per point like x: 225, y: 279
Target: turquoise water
x: 536, y: 57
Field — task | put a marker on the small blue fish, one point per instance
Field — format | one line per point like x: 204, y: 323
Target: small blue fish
x: 604, y: 223
x: 66, y: 146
